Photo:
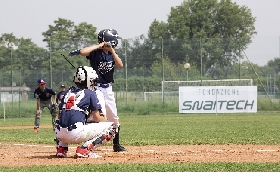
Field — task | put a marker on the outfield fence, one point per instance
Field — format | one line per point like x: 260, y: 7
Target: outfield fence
x: 147, y: 64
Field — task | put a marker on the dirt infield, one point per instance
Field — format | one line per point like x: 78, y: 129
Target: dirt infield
x: 25, y: 155
x: 18, y: 154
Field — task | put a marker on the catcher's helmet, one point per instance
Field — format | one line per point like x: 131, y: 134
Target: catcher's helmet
x: 108, y: 35
x: 85, y: 77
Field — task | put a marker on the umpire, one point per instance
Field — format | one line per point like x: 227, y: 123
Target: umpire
x: 43, y: 95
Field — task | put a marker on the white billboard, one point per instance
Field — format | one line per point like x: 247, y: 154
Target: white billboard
x: 217, y: 99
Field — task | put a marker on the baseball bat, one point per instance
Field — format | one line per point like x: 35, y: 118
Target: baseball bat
x: 68, y: 61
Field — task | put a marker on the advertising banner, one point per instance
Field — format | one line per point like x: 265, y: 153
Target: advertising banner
x: 217, y: 99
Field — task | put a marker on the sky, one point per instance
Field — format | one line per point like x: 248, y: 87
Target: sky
x: 131, y: 18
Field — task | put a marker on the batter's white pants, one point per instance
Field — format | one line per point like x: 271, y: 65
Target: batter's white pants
x: 107, y: 101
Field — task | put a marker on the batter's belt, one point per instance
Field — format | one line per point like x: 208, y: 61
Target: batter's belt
x: 104, y: 85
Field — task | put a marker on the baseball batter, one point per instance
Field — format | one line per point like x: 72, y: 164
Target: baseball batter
x: 77, y: 104
x: 43, y: 94
x: 103, y: 58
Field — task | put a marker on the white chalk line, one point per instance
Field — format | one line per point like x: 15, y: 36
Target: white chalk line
x: 154, y: 151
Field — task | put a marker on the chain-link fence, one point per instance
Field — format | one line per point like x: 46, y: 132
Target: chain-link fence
x: 147, y: 63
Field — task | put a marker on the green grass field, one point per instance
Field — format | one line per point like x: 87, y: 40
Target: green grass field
x: 169, y: 167
x: 166, y: 129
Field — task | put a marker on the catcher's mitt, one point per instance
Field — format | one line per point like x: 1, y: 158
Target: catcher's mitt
x: 89, y: 118
x: 54, y: 109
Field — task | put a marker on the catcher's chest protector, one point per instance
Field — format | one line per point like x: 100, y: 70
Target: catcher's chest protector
x: 71, y: 100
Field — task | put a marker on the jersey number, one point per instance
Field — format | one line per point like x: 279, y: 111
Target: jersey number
x: 70, y: 103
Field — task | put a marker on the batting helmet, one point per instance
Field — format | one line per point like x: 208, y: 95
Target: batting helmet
x: 108, y: 35
x: 100, y: 36
x: 85, y: 77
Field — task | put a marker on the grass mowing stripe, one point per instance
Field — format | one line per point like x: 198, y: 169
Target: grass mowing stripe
x: 167, y: 167
x: 165, y: 129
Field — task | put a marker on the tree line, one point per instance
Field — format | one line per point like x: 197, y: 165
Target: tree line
x: 209, y: 34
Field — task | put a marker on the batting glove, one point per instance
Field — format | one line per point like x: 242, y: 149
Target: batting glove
x: 109, y: 44
x: 75, y: 52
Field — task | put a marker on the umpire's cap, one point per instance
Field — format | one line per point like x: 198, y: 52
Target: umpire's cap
x: 41, y: 81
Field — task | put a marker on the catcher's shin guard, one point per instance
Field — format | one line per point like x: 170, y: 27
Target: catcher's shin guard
x: 108, y: 136
x: 103, y: 138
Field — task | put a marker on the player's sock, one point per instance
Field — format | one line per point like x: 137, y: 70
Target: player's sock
x: 116, y: 140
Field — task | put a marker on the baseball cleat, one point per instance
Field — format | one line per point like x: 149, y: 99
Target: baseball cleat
x: 118, y: 148
x: 35, y: 130
x: 85, y: 153
x: 61, y: 152
x: 82, y: 153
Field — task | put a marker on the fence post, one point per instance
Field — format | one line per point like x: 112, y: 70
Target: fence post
x: 200, y: 60
x: 50, y: 66
x: 19, y: 100
x: 162, y: 59
x: 125, y: 59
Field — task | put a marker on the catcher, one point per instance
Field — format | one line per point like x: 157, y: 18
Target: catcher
x: 78, y: 104
x: 43, y: 94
